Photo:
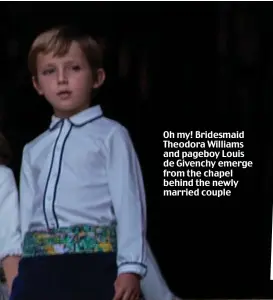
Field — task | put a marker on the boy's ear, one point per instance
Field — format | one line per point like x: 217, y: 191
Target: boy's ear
x: 36, y: 85
x: 99, y: 78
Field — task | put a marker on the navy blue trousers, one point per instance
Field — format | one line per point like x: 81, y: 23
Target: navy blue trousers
x: 66, y: 277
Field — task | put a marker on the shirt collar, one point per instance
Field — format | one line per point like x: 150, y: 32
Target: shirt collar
x: 80, y: 118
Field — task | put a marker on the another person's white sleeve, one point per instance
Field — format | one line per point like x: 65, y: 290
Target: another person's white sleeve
x: 10, y: 234
x: 154, y: 286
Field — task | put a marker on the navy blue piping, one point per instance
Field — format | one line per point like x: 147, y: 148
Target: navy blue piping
x: 58, y: 177
x: 135, y: 263
x: 52, y: 128
x: 48, y: 177
x: 86, y: 122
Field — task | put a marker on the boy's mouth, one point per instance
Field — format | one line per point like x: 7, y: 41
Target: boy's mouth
x: 64, y: 94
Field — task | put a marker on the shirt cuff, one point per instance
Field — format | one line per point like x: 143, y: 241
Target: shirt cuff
x: 12, y: 252
x: 135, y: 268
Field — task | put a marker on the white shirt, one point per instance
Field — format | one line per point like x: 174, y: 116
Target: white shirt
x: 84, y: 170
x: 10, y: 237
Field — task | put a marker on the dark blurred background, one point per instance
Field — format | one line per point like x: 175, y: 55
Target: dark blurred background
x: 171, y: 66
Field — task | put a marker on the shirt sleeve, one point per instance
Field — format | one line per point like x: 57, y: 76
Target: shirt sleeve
x: 10, y: 235
x: 128, y: 196
x: 26, y: 192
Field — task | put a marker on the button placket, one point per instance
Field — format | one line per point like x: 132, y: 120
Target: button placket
x: 52, y: 180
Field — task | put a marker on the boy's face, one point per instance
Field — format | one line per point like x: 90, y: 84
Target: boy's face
x: 66, y: 82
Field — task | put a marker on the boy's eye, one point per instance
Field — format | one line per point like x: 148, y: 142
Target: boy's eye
x: 48, y: 71
x: 76, y: 68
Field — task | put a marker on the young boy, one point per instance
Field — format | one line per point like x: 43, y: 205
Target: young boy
x: 81, y: 190
x: 82, y: 200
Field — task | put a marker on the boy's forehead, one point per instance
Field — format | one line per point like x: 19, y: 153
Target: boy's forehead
x: 74, y: 52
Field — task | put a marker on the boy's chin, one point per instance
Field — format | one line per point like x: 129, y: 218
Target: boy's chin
x: 66, y: 106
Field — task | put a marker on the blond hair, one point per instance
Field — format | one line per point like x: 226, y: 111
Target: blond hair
x: 58, y: 41
x: 5, y: 151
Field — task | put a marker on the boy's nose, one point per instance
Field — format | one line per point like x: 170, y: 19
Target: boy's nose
x: 62, y: 78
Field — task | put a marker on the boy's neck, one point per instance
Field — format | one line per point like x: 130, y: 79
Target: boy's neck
x: 69, y: 114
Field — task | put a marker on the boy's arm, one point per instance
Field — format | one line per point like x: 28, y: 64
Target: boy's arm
x: 128, y: 196
x: 10, y: 235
